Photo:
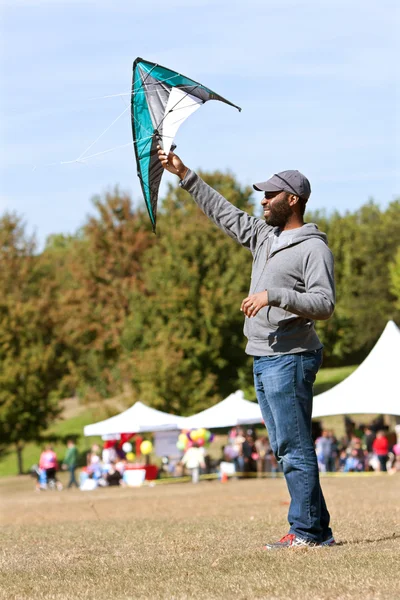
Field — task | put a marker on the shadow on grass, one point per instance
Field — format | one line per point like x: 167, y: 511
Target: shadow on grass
x: 386, y: 538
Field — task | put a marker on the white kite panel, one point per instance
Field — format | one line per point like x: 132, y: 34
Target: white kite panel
x: 179, y: 107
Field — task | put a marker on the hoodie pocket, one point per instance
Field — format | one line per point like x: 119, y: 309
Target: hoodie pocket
x: 276, y: 315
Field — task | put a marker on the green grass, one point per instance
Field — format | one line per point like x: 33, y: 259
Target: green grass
x: 202, y: 542
x: 74, y: 425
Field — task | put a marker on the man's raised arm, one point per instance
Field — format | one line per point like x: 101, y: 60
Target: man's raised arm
x: 236, y: 223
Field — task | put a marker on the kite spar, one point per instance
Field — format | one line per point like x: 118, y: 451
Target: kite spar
x: 161, y: 101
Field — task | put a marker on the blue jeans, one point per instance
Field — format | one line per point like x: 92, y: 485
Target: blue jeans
x: 284, y: 387
x: 72, y: 480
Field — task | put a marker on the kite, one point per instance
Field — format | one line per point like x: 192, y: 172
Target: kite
x: 161, y: 100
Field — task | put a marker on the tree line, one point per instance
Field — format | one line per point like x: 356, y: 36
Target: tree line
x: 115, y: 309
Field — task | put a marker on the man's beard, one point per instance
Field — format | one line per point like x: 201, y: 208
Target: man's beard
x: 279, y: 214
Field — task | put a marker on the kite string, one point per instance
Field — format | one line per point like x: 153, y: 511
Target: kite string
x: 101, y: 135
x: 109, y: 127
x: 116, y: 148
x: 104, y: 152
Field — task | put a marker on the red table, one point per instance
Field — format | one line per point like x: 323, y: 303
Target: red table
x: 151, y: 470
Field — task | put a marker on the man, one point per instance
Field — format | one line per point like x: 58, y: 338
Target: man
x: 292, y: 284
x: 70, y: 462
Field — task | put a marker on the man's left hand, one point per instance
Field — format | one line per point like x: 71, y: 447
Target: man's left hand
x: 252, y: 304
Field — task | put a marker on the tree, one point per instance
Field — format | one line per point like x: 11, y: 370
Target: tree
x: 364, y: 244
x: 99, y: 268
x: 31, y: 359
x: 394, y: 270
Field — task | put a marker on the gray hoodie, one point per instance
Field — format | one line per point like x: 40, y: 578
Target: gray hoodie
x: 297, y: 272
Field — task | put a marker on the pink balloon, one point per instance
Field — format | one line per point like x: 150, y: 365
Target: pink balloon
x: 200, y: 442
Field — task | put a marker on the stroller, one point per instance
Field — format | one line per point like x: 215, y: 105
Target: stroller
x: 45, y: 479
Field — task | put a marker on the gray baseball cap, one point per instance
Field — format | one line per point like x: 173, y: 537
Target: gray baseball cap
x: 293, y: 182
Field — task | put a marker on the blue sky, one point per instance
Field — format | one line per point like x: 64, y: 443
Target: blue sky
x: 317, y: 82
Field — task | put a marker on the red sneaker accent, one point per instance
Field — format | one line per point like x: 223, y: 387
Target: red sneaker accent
x: 289, y: 537
x: 290, y: 540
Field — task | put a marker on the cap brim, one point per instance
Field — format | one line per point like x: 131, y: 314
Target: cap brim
x: 266, y: 186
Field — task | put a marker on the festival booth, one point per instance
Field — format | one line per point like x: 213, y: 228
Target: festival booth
x: 231, y: 412
x: 234, y: 411
x: 135, y: 420
x: 373, y: 388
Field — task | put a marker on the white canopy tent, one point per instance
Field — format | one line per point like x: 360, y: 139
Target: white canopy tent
x: 234, y: 410
x: 139, y: 418
x: 373, y: 388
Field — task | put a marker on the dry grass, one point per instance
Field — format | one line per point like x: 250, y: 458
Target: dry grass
x: 182, y: 541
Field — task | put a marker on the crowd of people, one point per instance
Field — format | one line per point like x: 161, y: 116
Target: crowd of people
x: 369, y: 447
x: 250, y: 453
x: 364, y: 448
x: 245, y: 452
x: 104, y: 466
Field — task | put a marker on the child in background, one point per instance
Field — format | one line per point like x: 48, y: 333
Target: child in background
x: 193, y: 459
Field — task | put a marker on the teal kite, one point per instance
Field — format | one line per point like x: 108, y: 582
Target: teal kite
x: 161, y: 101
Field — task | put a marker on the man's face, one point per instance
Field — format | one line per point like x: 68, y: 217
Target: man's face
x: 276, y: 208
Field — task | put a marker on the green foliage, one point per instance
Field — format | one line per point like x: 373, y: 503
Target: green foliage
x: 394, y: 271
x: 31, y: 362
x: 364, y: 244
x: 99, y: 270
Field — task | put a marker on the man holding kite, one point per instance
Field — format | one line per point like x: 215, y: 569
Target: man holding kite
x: 292, y: 285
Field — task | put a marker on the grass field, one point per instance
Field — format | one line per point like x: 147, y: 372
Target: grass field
x: 180, y: 541
x: 75, y: 416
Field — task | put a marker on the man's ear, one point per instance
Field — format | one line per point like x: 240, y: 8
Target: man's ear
x: 293, y: 200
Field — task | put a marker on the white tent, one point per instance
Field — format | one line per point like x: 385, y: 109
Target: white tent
x: 137, y: 419
x: 234, y: 410
x: 373, y: 388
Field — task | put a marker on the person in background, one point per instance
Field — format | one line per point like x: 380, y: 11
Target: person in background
x: 358, y: 451
x: 114, y: 477
x: 193, y: 459
x: 70, y: 462
x: 323, y: 449
x: 262, y: 448
x: 238, y: 445
x: 368, y: 439
x: 109, y: 453
x: 94, y: 466
x: 48, y: 463
x: 380, y: 447
x: 342, y: 459
x: 249, y: 451
x: 353, y: 463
